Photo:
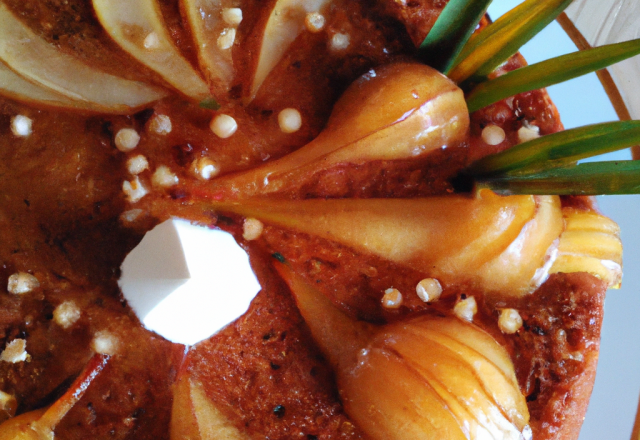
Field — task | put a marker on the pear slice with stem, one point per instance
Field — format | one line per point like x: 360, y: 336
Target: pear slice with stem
x: 207, y: 25
x: 36, y: 60
x: 399, y: 111
x: 285, y: 23
x: 430, y: 377
x: 40, y: 424
x: 138, y: 28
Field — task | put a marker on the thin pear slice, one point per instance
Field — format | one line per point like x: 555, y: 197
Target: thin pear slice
x: 195, y: 417
x: 16, y: 87
x: 207, y: 26
x: 285, y: 23
x: 399, y: 111
x: 137, y: 26
x: 445, y: 237
x: 36, y: 60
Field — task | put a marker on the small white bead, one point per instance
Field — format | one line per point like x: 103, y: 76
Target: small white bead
x: 151, y: 41
x: 22, y: 282
x: 289, y: 120
x: 66, y: 314
x: 340, y: 41
x: 127, y: 139
x: 205, y: 168
x: 252, y: 229
x: 314, y: 22
x: 164, y: 177
x: 21, y: 125
x: 510, y: 321
x: 493, y: 135
x: 15, y: 351
x: 226, y: 39
x: 105, y: 343
x: 528, y: 133
x: 223, y: 126
x: 131, y: 215
x: 161, y: 124
x: 134, y: 190
x: 232, y: 16
x: 392, y: 299
x: 466, y: 308
x: 429, y: 290
x: 137, y: 164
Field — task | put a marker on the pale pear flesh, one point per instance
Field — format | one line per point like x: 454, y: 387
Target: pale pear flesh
x: 207, y: 25
x: 195, y: 417
x: 131, y: 24
x: 285, y: 23
x: 16, y: 87
x: 33, y: 58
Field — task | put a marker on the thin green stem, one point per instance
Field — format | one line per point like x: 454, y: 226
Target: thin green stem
x: 498, y: 41
x: 553, y: 71
x: 561, y: 149
x: 594, y: 178
x: 451, y: 32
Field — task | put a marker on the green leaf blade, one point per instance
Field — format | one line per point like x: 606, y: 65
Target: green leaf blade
x: 561, y: 149
x: 550, y: 72
x: 451, y: 32
x: 210, y: 104
x: 498, y: 41
x: 595, y: 178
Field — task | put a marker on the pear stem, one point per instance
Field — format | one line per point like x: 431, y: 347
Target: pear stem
x: 45, y: 425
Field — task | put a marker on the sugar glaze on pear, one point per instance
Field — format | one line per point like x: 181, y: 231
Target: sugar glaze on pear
x: 398, y: 111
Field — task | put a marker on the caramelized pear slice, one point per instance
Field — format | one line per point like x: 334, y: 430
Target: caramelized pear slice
x: 137, y: 26
x: 430, y: 377
x: 445, y: 237
x: 285, y: 23
x: 398, y: 111
x: 590, y: 243
x: 34, y: 59
x: 529, y: 256
x: 195, y: 417
x: 207, y: 26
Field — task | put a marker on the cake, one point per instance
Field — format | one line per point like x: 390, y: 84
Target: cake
x: 311, y: 132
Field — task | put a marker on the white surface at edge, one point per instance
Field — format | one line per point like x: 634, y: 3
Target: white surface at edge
x: 614, y: 400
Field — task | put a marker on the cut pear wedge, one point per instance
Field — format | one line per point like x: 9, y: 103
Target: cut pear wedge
x: 137, y: 26
x: 448, y: 238
x: 16, y: 87
x: 195, y: 417
x: 41, y: 63
x: 207, y: 26
x: 285, y: 23
x: 399, y: 111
